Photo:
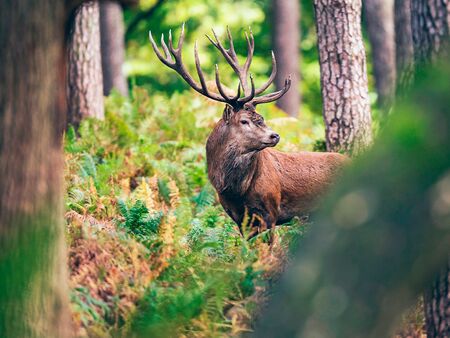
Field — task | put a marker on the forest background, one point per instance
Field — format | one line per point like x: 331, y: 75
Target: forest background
x: 150, y: 250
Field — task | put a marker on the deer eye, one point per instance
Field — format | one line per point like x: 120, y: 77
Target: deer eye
x: 244, y: 122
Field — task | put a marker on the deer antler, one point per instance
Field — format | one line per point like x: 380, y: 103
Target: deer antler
x: 241, y: 71
x: 178, y: 65
x: 273, y: 96
x: 231, y: 57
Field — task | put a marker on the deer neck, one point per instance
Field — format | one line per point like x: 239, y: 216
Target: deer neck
x: 230, y: 171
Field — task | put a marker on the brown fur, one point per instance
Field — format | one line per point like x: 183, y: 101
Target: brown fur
x: 271, y: 186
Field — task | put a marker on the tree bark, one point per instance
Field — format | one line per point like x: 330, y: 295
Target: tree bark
x: 343, y: 75
x: 430, y: 22
x: 85, y: 80
x: 383, y: 233
x: 286, y: 39
x: 437, y: 306
x: 33, y: 282
x: 379, y: 17
x: 113, y: 47
x: 404, y: 44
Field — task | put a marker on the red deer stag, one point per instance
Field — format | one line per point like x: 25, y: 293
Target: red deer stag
x: 269, y: 186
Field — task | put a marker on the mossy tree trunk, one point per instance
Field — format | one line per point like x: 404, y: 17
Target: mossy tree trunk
x: 85, y: 79
x: 379, y: 18
x: 286, y: 40
x: 343, y: 75
x: 33, y: 285
x: 112, y: 47
x: 430, y: 30
x: 381, y: 236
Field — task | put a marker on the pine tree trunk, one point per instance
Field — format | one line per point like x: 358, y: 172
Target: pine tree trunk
x: 33, y: 281
x: 286, y: 39
x: 430, y: 22
x: 404, y: 51
x: 343, y: 75
x: 379, y: 17
x: 113, y: 47
x: 437, y: 306
x: 85, y: 80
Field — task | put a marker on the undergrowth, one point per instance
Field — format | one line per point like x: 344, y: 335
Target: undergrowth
x: 151, y: 251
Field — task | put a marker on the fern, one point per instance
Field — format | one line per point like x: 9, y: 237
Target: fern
x: 138, y: 221
x: 164, y: 190
x: 76, y: 200
x: 320, y: 145
x: 70, y: 145
x: 123, y: 209
x: 204, y: 198
x: 88, y: 168
x: 212, y: 216
x: 195, y: 235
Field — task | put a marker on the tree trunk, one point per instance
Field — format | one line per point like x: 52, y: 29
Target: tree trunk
x: 343, y: 75
x: 430, y: 22
x: 379, y: 17
x: 286, y: 39
x: 33, y: 281
x: 85, y: 80
x: 437, y: 306
x: 112, y: 47
x: 404, y: 51
x: 383, y: 233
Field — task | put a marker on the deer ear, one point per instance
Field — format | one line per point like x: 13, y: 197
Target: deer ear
x: 227, y: 113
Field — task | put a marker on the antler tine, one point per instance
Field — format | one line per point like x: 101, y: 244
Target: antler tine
x: 219, y: 86
x: 168, y: 63
x: 211, y: 40
x: 251, y: 95
x: 238, y: 94
x: 181, y: 39
x: 231, y: 57
x: 166, y: 50
x: 232, y: 62
x: 250, y: 49
x: 170, y: 42
x: 230, y: 40
x: 199, y: 69
x: 271, y: 77
x: 273, y: 96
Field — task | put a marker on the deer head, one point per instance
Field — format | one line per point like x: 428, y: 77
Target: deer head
x: 239, y: 116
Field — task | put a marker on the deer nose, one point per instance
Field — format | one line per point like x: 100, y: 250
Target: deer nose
x: 275, y: 137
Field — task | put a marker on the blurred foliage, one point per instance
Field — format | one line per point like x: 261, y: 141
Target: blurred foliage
x: 151, y: 251
x: 382, y: 235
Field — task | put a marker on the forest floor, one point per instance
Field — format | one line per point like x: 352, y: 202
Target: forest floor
x: 151, y: 251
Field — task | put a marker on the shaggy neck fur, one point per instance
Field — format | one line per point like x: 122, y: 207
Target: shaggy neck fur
x: 230, y: 171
